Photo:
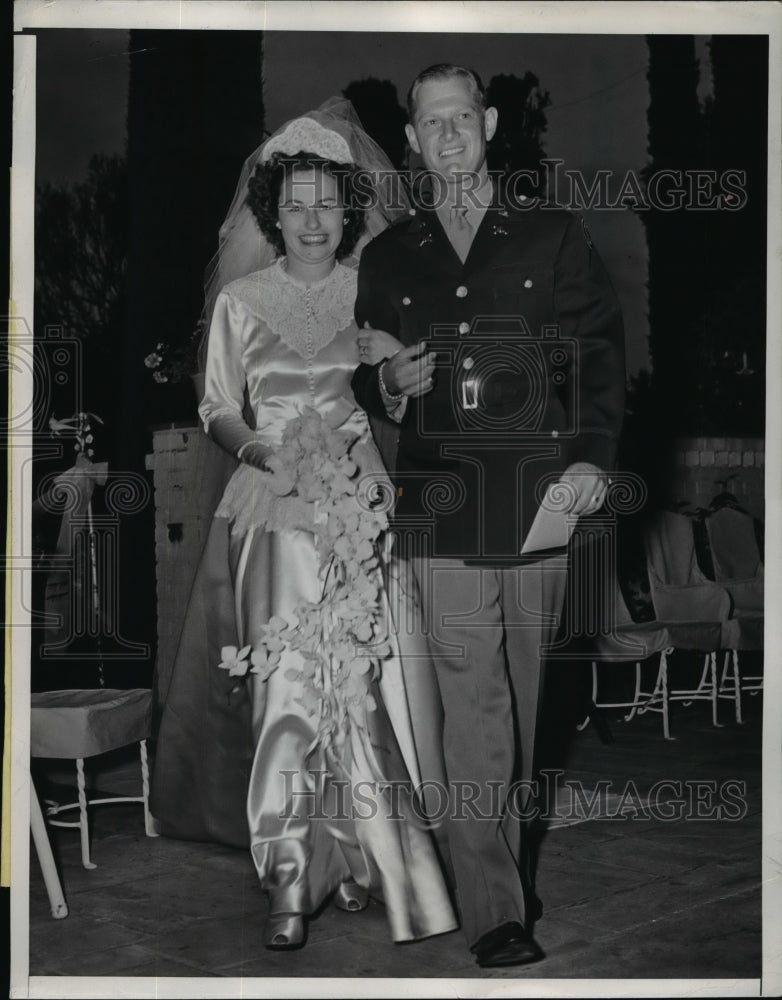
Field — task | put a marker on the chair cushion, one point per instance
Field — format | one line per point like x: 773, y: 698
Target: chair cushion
x: 83, y: 723
x: 734, y: 546
x: 670, y: 551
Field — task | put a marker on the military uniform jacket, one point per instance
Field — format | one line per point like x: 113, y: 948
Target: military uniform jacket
x: 529, y: 376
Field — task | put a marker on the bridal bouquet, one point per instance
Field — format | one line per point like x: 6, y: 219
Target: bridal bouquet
x: 340, y: 638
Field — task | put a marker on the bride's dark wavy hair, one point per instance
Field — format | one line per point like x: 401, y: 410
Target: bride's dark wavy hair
x: 266, y: 183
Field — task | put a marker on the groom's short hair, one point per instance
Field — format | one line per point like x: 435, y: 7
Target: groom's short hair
x: 446, y: 71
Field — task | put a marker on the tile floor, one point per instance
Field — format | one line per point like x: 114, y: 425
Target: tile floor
x: 624, y: 897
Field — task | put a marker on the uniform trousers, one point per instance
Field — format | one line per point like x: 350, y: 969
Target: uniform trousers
x: 487, y: 629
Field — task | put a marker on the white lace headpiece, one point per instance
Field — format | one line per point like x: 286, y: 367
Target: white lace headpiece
x: 305, y: 135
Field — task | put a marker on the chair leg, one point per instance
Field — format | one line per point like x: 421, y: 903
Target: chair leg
x: 581, y: 726
x: 84, y: 829
x: 148, y: 826
x: 736, y: 683
x: 725, y: 690
x: 712, y: 662
x: 663, y: 681
x: 595, y: 714
x: 636, y: 693
x: 43, y: 849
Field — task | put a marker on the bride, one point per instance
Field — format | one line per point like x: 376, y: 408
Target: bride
x: 287, y: 724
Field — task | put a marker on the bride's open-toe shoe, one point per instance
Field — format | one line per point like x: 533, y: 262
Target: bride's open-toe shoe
x: 285, y: 931
x: 351, y: 896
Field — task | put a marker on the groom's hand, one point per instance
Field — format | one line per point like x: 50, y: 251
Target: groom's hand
x: 410, y: 371
x: 589, y: 485
x: 376, y: 345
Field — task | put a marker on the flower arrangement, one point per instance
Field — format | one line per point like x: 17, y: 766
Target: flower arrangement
x: 173, y: 364
x: 340, y: 638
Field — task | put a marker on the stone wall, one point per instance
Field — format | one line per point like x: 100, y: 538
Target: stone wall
x: 176, y: 463
x: 707, y: 466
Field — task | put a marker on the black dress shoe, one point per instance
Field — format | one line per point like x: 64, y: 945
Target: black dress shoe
x: 534, y: 910
x: 508, y: 944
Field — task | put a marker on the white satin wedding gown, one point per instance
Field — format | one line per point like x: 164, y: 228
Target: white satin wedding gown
x: 276, y: 346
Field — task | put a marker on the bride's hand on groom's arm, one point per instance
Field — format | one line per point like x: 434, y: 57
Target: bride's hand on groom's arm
x: 376, y: 345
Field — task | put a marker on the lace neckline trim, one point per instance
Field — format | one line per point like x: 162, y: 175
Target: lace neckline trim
x: 282, y: 266
x: 306, y: 317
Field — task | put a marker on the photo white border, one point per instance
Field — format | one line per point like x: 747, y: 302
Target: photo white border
x: 632, y: 18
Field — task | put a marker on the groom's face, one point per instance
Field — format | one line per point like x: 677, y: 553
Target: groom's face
x: 449, y: 128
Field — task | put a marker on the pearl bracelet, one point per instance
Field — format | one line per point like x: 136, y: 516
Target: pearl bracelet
x: 394, y: 398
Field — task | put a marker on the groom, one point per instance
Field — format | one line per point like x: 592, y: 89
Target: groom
x: 511, y: 377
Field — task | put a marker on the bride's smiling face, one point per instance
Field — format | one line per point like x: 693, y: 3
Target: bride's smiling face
x: 311, y: 218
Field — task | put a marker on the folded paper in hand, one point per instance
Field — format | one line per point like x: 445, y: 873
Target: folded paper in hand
x: 551, y: 528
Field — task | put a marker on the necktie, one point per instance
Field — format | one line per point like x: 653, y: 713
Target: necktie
x: 460, y: 232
